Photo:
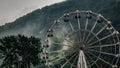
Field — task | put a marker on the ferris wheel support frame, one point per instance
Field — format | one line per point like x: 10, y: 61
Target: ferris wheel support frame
x: 81, y: 60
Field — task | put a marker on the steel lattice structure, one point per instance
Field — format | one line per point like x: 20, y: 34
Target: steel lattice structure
x: 82, y: 39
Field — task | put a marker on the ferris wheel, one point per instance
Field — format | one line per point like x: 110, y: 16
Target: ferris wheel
x: 82, y: 39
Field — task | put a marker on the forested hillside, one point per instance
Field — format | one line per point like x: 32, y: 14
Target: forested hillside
x: 36, y: 22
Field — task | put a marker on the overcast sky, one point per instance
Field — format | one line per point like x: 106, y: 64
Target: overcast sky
x: 12, y: 9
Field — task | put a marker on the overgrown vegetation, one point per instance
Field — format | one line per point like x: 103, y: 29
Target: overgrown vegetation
x: 20, y: 51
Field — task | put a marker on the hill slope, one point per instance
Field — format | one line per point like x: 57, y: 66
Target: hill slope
x: 36, y: 22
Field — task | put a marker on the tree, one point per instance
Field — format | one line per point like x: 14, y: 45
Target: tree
x: 20, y: 51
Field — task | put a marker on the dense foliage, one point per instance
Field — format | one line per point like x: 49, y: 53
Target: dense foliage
x: 20, y: 51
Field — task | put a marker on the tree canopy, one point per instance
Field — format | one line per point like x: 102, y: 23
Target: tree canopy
x: 20, y: 51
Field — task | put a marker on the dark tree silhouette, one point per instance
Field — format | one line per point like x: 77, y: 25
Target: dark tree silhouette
x: 20, y: 51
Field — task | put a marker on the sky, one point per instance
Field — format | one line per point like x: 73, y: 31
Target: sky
x: 10, y: 10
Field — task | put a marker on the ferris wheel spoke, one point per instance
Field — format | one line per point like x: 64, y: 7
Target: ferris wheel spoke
x: 61, y: 44
x: 101, y: 39
x: 67, y: 60
x: 97, y: 65
x: 57, y: 59
x: 74, y: 61
x: 94, y: 62
x: 71, y: 26
x: 117, y: 60
x: 101, y: 59
x: 107, y: 45
x: 97, y: 34
x: 69, y: 41
x: 79, y: 29
x: 92, y: 29
x: 78, y: 23
x: 58, y: 51
x: 87, y: 60
x: 86, y: 24
x: 60, y: 57
x: 103, y: 52
x: 61, y: 51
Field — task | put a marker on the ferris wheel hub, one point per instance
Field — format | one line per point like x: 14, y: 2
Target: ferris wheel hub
x: 82, y: 47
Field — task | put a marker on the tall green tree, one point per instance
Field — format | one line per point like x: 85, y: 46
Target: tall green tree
x: 20, y: 51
